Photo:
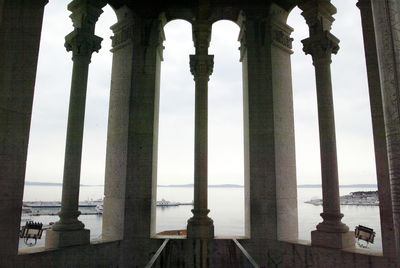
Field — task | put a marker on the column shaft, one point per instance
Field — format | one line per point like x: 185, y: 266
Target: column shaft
x: 201, y: 65
x: 201, y: 145
x: 82, y: 42
x: 331, y: 232
x: 73, y: 149
x: 327, y: 136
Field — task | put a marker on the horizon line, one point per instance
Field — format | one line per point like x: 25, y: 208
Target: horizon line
x: 227, y: 185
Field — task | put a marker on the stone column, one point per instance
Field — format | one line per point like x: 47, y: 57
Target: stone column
x: 131, y: 159
x: 82, y: 42
x: 269, y: 145
x: 20, y: 31
x: 320, y: 45
x: 387, y: 34
x: 378, y: 126
x: 201, y: 66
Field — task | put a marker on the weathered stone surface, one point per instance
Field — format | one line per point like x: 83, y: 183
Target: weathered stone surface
x: 59, y: 239
x: 387, y: 34
x: 18, y: 61
x: 378, y: 127
x: 333, y: 240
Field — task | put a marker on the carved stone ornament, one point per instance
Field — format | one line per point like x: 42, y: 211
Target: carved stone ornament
x: 282, y: 38
x: 202, y: 34
x: 82, y: 44
x: 321, y: 46
x: 85, y: 12
x: 201, y: 65
x: 318, y: 15
x: 123, y: 35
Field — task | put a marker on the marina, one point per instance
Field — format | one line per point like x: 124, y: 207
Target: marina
x: 92, y: 207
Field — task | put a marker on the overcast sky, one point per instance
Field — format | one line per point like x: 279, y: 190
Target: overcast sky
x: 49, y: 119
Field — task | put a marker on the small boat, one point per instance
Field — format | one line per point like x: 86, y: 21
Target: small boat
x: 99, y: 209
x: 165, y: 203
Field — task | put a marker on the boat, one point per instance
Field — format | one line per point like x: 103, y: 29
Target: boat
x: 165, y: 203
x: 99, y: 209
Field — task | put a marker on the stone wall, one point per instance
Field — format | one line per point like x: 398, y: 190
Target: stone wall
x: 181, y: 253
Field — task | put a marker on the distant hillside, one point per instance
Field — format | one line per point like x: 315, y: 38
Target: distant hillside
x: 34, y: 183
x: 210, y: 186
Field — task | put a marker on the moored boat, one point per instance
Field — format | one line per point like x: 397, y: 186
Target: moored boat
x: 165, y: 203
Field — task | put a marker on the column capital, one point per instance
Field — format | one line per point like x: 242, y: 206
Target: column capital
x: 82, y: 41
x: 321, y: 46
x: 201, y: 34
x: 201, y: 65
x: 264, y: 28
x: 318, y: 15
x: 82, y: 44
x: 138, y: 31
x: 85, y: 13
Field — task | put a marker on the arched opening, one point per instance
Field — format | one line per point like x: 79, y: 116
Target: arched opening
x: 354, y: 139
x: 45, y: 162
x: 176, y: 132
x: 225, y: 130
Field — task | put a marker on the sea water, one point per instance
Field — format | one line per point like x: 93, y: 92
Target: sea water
x: 226, y: 209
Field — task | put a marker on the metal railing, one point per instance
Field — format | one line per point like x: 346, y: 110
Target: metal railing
x: 245, y: 253
x: 157, y: 254
x: 161, y: 248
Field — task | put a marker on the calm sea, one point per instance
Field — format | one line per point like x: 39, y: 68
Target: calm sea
x: 226, y: 205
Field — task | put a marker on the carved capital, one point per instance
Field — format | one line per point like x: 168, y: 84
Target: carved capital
x: 201, y: 34
x: 261, y: 30
x: 82, y: 44
x: 201, y: 66
x: 82, y: 41
x: 141, y: 32
x: 318, y: 15
x: 85, y: 13
x: 321, y: 46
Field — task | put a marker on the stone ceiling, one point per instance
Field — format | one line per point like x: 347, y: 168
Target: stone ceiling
x: 184, y: 9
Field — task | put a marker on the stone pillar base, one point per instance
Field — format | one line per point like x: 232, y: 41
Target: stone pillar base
x: 333, y: 240
x: 200, y: 230
x: 59, y: 239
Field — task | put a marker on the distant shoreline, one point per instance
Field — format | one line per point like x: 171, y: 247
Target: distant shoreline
x: 30, y: 183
